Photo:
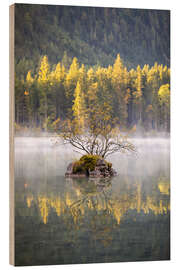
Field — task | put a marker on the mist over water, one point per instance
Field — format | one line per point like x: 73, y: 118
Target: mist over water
x: 38, y: 154
x: 125, y: 218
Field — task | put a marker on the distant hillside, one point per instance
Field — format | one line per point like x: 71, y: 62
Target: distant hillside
x: 93, y: 35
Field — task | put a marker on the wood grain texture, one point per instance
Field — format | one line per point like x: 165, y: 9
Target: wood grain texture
x: 11, y: 134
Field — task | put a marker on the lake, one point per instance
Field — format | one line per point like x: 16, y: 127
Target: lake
x: 66, y: 221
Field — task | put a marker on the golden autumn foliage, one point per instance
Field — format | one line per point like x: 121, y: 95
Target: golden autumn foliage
x: 138, y: 96
x: 44, y: 70
x: 79, y: 109
x: 80, y: 200
x: 29, y: 78
x: 164, y: 94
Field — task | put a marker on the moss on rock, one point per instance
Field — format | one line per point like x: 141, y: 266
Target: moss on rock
x: 92, y: 166
x: 86, y: 163
x: 89, y: 161
x: 78, y: 167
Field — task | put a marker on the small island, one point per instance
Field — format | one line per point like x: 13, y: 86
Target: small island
x: 94, y: 133
x: 91, y: 166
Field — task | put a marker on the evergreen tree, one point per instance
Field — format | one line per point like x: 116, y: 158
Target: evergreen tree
x: 138, y: 96
x: 110, y: 96
x: 71, y: 82
x: 43, y: 81
x: 164, y: 98
x: 119, y: 88
x: 79, y: 108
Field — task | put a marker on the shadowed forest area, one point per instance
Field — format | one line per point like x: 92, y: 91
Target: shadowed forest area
x: 77, y: 62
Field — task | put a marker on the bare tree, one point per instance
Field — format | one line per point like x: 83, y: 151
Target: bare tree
x: 98, y: 138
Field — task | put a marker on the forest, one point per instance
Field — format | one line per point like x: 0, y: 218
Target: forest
x: 83, y: 62
x: 138, y: 97
x: 94, y: 35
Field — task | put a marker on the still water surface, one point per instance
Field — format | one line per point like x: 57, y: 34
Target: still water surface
x: 64, y: 221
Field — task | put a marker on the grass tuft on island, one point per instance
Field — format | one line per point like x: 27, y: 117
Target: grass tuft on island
x: 92, y: 166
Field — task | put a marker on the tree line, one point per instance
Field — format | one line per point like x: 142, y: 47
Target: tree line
x: 138, y: 97
x: 95, y: 35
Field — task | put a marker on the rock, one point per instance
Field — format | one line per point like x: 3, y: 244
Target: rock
x: 113, y: 172
x: 73, y: 175
x: 69, y: 170
x: 70, y: 174
x: 80, y: 169
x: 101, y: 163
x: 94, y: 174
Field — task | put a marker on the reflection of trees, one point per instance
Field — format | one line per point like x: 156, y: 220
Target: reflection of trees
x: 164, y: 185
x: 84, y: 200
x: 94, y: 221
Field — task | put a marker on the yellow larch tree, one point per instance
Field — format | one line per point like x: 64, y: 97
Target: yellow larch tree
x: 164, y: 98
x: 43, y: 81
x: 78, y: 108
x: 119, y: 87
x: 57, y: 95
x: 70, y: 84
x: 72, y: 77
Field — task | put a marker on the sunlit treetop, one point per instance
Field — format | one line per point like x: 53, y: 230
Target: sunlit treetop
x: 118, y: 67
x: 73, y: 71
x: 44, y: 70
x: 90, y: 75
x: 79, y: 108
x: 138, y: 82
x: 29, y: 78
x: 58, y: 74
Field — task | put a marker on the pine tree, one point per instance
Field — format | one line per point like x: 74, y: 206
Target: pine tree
x: 108, y: 94
x: 29, y: 97
x: 66, y: 61
x: 43, y: 81
x: 19, y: 101
x: 164, y: 98
x: 138, y: 97
x: 120, y: 89
x: 153, y: 84
x: 71, y: 82
x: 58, y: 98
x: 79, y: 108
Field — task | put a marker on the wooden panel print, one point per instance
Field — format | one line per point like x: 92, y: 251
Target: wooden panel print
x: 90, y: 128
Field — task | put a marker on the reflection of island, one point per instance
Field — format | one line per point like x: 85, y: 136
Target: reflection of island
x: 122, y: 220
x: 96, y: 198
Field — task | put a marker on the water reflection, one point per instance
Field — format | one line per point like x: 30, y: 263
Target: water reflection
x: 60, y: 221
x: 83, y: 196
